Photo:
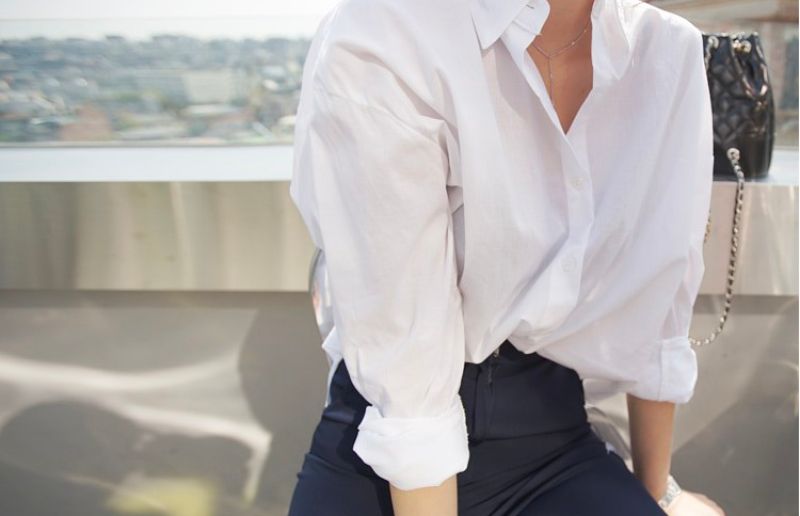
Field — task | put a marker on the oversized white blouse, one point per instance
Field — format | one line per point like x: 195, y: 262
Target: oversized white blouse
x: 454, y: 212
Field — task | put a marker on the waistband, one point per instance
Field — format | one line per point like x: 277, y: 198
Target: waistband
x: 510, y: 395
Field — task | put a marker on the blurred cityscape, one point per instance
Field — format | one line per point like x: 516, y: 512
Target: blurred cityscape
x: 169, y: 88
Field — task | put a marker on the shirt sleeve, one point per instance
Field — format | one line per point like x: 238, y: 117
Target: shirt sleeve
x: 692, y: 153
x: 371, y: 187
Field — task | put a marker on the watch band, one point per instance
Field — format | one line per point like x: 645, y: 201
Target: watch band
x: 673, y: 490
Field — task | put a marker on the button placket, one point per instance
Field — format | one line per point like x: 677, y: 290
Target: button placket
x: 565, y: 279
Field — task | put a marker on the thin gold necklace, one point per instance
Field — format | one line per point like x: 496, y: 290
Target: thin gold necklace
x: 555, y: 53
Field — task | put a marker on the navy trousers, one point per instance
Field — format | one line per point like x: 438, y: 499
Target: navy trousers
x: 532, y: 450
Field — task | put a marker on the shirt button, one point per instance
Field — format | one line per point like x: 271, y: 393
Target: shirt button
x: 569, y: 263
x: 577, y: 182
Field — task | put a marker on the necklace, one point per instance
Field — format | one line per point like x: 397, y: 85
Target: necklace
x: 550, y: 55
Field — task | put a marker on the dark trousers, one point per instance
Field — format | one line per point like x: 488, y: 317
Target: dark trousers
x: 532, y: 450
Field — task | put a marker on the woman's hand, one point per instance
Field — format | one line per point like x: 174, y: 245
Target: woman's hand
x: 693, y: 504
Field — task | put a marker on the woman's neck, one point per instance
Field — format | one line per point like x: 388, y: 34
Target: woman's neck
x: 566, y: 19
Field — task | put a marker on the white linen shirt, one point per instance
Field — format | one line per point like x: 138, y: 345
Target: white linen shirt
x: 454, y: 212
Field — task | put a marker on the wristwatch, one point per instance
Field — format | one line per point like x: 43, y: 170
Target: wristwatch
x: 673, y: 490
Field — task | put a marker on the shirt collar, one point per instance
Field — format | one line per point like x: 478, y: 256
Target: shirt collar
x: 493, y: 17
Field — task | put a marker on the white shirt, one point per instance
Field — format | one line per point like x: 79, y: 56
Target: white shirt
x: 453, y: 211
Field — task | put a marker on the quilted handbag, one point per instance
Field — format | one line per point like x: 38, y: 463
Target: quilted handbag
x: 742, y: 102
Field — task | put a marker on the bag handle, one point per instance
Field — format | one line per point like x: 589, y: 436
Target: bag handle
x: 733, y: 156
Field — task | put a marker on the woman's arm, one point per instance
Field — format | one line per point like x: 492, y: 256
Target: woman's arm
x: 370, y: 181
x: 651, y: 426
x: 689, y: 145
x: 426, y: 501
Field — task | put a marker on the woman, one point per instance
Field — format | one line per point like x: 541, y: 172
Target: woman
x: 511, y: 198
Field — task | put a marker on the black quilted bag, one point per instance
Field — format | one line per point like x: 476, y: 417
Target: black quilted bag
x: 742, y: 103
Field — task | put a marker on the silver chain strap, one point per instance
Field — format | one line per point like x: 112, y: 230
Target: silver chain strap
x: 733, y: 156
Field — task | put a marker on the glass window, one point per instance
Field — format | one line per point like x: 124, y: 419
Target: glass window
x: 233, y: 80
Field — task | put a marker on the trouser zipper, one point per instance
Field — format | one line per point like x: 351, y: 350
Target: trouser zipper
x: 492, y: 363
x: 484, y: 402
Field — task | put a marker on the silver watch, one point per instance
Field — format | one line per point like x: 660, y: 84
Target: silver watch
x: 673, y: 490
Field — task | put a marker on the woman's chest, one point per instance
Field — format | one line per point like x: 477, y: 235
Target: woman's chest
x: 518, y: 177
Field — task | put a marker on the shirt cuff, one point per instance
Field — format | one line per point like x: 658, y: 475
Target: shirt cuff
x: 411, y: 453
x: 678, y: 370
x: 671, y: 375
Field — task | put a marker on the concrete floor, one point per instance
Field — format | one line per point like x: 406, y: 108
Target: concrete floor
x: 203, y: 404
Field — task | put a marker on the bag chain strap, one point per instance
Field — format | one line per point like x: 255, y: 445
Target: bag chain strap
x: 733, y: 156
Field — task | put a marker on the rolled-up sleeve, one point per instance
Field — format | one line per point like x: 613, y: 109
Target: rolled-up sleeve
x: 371, y: 188
x: 691, y: 150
